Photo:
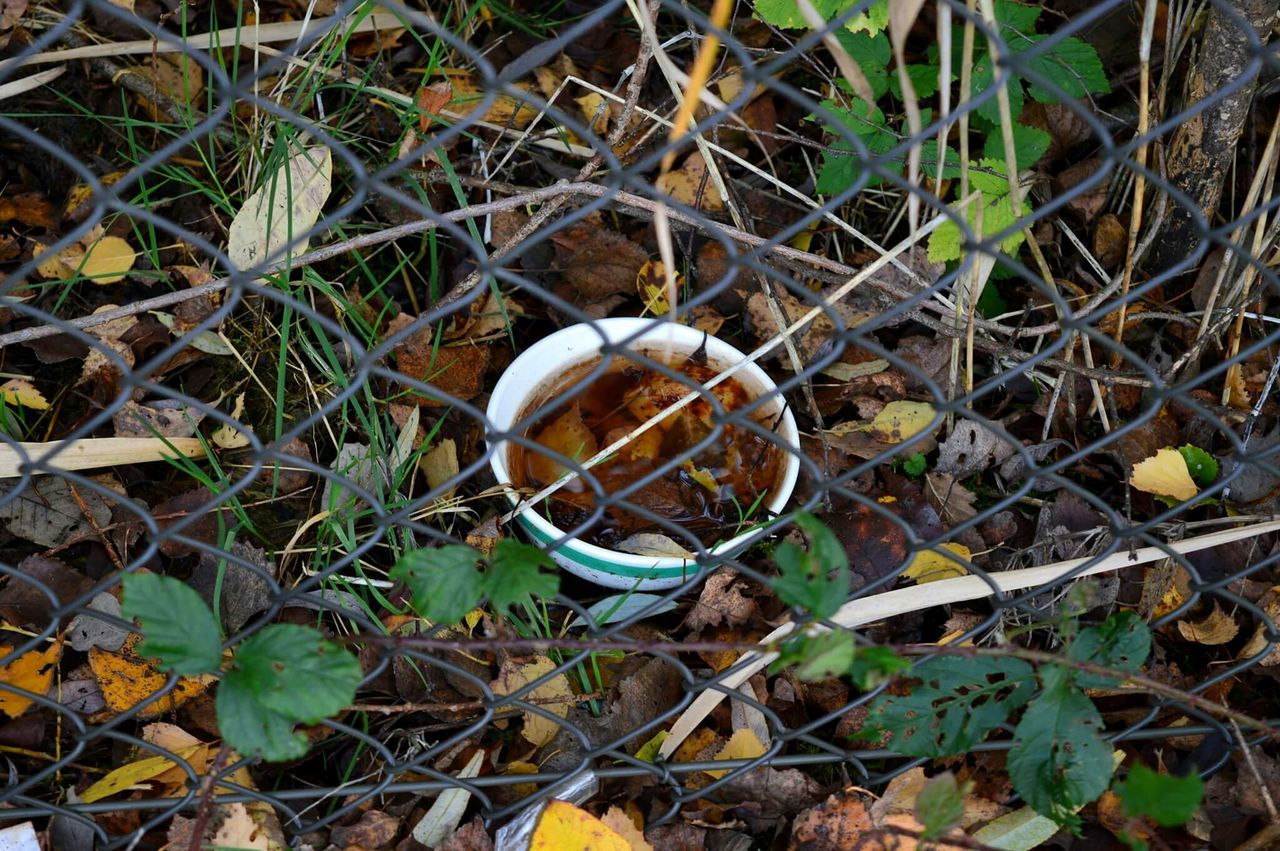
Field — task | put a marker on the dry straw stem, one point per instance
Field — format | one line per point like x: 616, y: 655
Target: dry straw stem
x: 754, y: 356
x: 230, y: 37
x: 945, y: 592
x: 95, y: 452
x: 14, y: 88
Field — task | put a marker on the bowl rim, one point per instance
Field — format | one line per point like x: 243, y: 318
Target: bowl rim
x: 557, y: 356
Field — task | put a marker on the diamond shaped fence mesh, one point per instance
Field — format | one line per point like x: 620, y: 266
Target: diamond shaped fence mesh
x: 270, y: 275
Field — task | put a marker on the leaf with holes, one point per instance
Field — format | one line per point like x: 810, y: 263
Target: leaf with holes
x: 1122, y: 642
x: 1059, y: 762
x: 954, y: 705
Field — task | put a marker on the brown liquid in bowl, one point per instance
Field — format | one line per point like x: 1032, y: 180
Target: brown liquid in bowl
x: 714, y: 494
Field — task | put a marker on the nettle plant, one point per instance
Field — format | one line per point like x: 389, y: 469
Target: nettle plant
x: 1073, y: 65
x: 944, y: 706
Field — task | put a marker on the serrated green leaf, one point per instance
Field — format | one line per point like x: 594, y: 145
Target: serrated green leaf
x: 873, y: 665
x: 1058, y: 761
x: 924, y: 79
x: 178, y: 627
x: 444, y: 582
x: 816, y: 579
x: 1072, y: 65
x: 1021, y: 17
x: 1122, y: 643
x: 955, y: 704
x: 293, y: 671
x: 997, y: 215
x: 785, y: 14
x: 872, y: 54
x: 984, y: 74
x: 1029, y: 145
x: 1167, y: 800
x: 940, y: 804
x: 989, y: 178
x: 1202, y: 466
x: 253, y: 729
x: 515, y: 574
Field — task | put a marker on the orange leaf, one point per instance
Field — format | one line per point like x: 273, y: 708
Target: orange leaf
x: 127, y: 680
x: 32, y: 671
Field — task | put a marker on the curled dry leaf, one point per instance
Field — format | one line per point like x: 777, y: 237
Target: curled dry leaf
x: 227, y: 436
x: 931, y: 565
x: 1217, y: 627
x: 1164, y: 474
x: 554, y: 696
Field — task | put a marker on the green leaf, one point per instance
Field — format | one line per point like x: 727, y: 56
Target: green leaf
x: 872, y: 53
x: 177, y: 626
x: 915, y: 465
x: 997, y: 215
x: 444, y: 581
x: 983, y: 79
x: 1021, y: 17
x: 1029, y: 145
x: 956, y: 703
x: 252, y: 728
x: 1122, y: 643
x: 1059, y: 762
x: 1202, y: 466
x: 1167, y: 800
x: 821, y: 656
x: 940, y: 804
x: 785, y: 14
x: 817, y: 579
x: 873, y: 665
x: 924, y: 79
x: 514, y: 575
x: 292, y: 670
x: 1072, y: 65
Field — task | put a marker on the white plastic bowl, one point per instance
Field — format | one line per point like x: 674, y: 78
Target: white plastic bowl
x: 544, y: 365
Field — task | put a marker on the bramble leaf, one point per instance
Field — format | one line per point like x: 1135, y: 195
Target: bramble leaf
x: 292, y: 670
x: 1167, y: 800
x: 955, y: 704
x: 251, y: 728
x: 443, y: 581
x: 177, y: 625
x: 817, y: 579
x: 1059, y: 762
x: 515, y: 574
x: 1122, y: 642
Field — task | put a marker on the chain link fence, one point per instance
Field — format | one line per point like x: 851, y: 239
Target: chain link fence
x: 473, y: 156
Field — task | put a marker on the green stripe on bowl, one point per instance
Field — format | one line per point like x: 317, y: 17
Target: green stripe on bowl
x: 604, y: 565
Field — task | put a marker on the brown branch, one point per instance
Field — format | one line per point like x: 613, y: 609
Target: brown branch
x: 205, y: 804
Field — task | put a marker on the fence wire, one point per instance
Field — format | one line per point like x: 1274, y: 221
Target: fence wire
x: 458, y: 187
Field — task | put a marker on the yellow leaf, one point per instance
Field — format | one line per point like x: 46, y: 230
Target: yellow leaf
x: 127, y: 680
x: 899, y: 421
x: 51, y: 265
x: 564, y: 827
x: 649, y: 750
x: 691, y: 185
x: 651, y: 284
x: 743, y: 744
x: 106, y: 261
x: 930, y: 565
x: 32, y: 671
x: 18, y: 392
x: 1164, y: 474
x: 227, y: 436
x: 621, y: 823
x: 1217, y: 627
x: 518, y: 767
x: 127, y: 777
x: 702, y: 476
x: 551, y: 696
x: 278, y: 217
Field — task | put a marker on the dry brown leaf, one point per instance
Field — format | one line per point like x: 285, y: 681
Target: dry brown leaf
x: 239, y: 830
x: 721, y: 601
x: 127, y: 680
x: 1269, y: 603
x: 952, y: 500
x: 1164, y: 474
x: 621, y: 824
x: 175, y: 76
x: 1217, y: 627
x: 552, y: 696
x: 440, y: 464
x: 29, y: 208
x: 32, y: 671
x: 597, y: 263
x: 469, y: 98
x: 1110, y: 241
x: 108, y: 334
x: 11, y: 12
x: 690, y: 185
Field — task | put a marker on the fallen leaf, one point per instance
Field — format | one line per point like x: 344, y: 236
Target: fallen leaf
x: 1217, y: 627
x: 106, y: 261
x: 564, y: 827
x: 597, y: 263
x: 652, y: 544
x: 743, y: 744
x: 227, y: 436
x: 442, y: 819
x: 176, y: 76
x: 469, y: 96
x: 374, y: 830
x: 49, y: 514
x: 690, y: 185
x: 86, y: 630
x: 721, y: 601
x: 15, y: 391
x: 552, y: 696
x: 109, y: 334
x: 32, y: 671
x: 36, y: 587
x: 620, y: 823
x: 930, y: 565
x: 29, y: 208
x: 651, y: 284
x: 162, y: 418
x: 900, y: 421
x: 131, y: 776
x: 1110, y: 241
x: 239, y: 830
x: 11, y: 12
x: 440, y: 465
x: 431, y: 102
x: 281, y: 214
x: 127, y: 680
x: 209, y: 342
x: 1164, y: 474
